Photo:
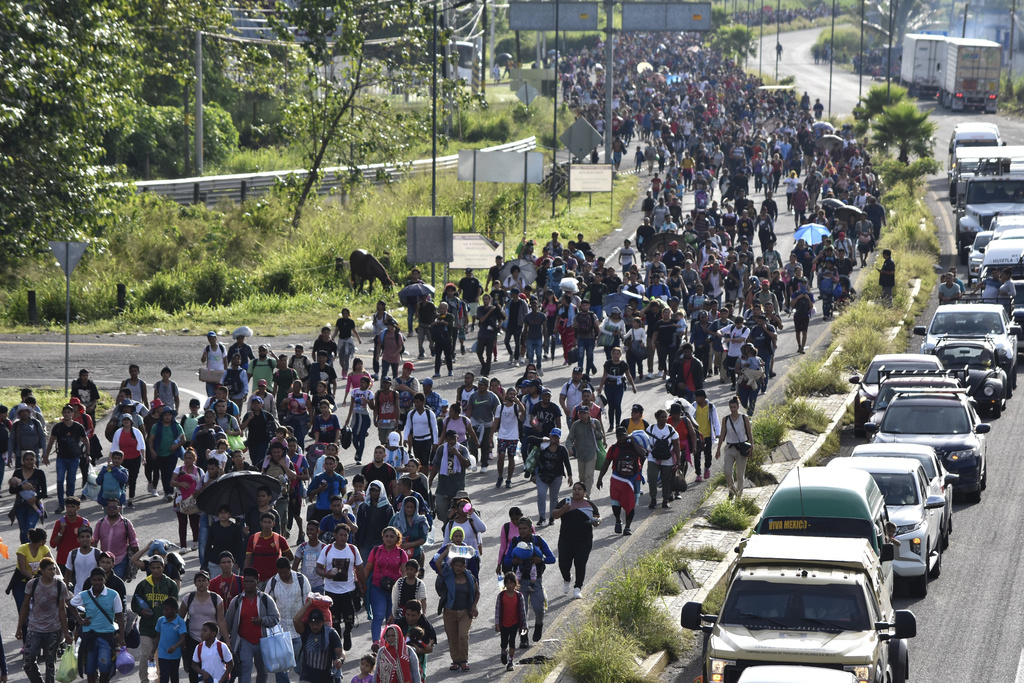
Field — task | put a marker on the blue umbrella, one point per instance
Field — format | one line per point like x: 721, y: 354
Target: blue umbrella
x: 812, y: 233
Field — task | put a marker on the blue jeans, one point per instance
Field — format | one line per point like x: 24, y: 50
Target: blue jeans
x: 121, y: 568
x: 100, y: 657
x: 204, y: 533
x: 27, y: 519
x: 534, y: 351
x: 211, y: 388
x: 598, y: 310
x: 249, y: 655
x: 547, y: 493
x: 360, y: 427
x: 380, y: 605
x: 67, y: 473
x: 300, y: 425
x: 282, y: 676
x: 586, y: 346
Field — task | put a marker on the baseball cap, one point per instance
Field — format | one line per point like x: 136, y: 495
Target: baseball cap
x: 544, y: 391
x: 261, y: 383
x: 427, y: 382
x: 620, y: 430
x: 394, y: 438
x: 673, y: 243
x: 408, y: 366
x: 637, y: 408
x: 211, y: 333
x: 556, y: 432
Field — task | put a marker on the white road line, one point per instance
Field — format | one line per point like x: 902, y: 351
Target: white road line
x: 1019, y: 678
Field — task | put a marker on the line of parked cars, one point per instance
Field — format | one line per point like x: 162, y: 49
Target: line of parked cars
x: 809, y: 594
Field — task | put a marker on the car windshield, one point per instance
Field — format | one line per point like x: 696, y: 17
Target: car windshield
x: 871, y: 376
x: 964, y: 323
x: 898, y: 489
x: 957, y: 356
x: 981, y: 240
x: 756, y: 605
x: 903, y: 417
x: 995, y: 191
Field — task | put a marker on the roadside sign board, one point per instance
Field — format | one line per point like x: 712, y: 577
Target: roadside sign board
x: 540, y: 16
x: 429, y: 239
x: 581, y: 138
x: 666, y: 16
x: 527, y: 94
x: 473, y: 250
x: 68, y: 254
x: 501, y: 167
x: 590, y: 177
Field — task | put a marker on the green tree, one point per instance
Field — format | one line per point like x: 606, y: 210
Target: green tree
x: 67, y: 70
x: 340, y: 113
x: 906, y: 128
x: 872, y: 104
x: 735, y: 42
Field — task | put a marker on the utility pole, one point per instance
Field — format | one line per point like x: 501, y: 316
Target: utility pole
x: 888, y: 59
x: 554, y: 126
x: 778, y: 38
x: 609, y: 77
x: 1013, y: 22
x: 860, y: 59
x: 831, y: 56
x: 433, y: 119
x: 963, y: 31
x: 199, y: 102
x: 760, y: 48
x: 483, y: 48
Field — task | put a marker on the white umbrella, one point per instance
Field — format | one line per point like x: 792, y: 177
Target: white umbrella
x: 243, y: 331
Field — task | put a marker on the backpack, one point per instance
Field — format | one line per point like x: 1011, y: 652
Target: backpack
x: 233, y: 378
x: 627, y: 464
x: 304, y: 586
x: 441, y: 588
x: 662, y: 448
x: 586, y: 323
x: 220, y: 650
x: 217, y: 599
x: 826, y: 286
x: 802, y: 305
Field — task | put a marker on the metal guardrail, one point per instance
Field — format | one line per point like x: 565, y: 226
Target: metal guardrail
x: 210, y: 190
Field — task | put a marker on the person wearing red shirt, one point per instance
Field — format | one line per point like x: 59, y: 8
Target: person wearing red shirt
x: 64, y: 537
x: 227, y: 584
x: 264, y: 549
x: 688, y: 436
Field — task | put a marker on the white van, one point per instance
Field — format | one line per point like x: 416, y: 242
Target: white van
x: 1000, y: 254
x: 972, y: 134
x: 1006, y: 221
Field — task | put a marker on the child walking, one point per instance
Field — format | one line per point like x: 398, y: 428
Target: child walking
x: 510, y: 619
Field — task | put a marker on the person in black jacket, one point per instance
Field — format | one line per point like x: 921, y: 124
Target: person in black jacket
x: 225, y: 535
x: 687, y: 374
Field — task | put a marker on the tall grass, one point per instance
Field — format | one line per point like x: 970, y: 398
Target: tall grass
x: 806, y: 417
x: 598, y: 650
x: 729, y: 515
x: 814, y: 378
x: 50, y: 400
x: 770, y: 426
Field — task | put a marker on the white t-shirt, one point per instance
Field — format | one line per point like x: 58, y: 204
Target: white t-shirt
x: 215, y: 357
x: 212, y: 659
x: 508, y: 425
x: 666, y: 432
x: 346, y: 559
x: 84, y: 563
x: 626, y: 257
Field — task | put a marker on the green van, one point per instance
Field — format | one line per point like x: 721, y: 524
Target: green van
x: 818, y: 501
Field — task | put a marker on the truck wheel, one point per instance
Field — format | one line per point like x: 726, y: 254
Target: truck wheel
x: 937, y: 567
x: 963, y: 255
x: 899, y: 661
x: 919, y: 586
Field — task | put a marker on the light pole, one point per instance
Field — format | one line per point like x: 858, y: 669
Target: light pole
x: 433, y: 119
x: 1013, y: 21
x: 831, y: 56
x: 760, y: 48
x: 554, y: 126
x: 888, y: 59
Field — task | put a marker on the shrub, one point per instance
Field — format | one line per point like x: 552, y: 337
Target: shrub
x: 813, y: 378
x: 806, y: 417
x: 599, y: 651
x: 716, y: 597
x: 729, y: 515
x: 706, y: 552
x: 770, y: 427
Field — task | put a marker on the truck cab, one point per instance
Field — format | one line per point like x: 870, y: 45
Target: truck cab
x: 795, y: 601
x: 996, y: 191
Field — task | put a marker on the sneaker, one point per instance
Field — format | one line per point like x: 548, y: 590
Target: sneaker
x: 540, y: 522
x: 665, y: 504
x: 450, y: 373
x: 523, y: 643
x: 618, y: 527
x: 577, y: 594
x: 484, y: 468
x: 627, y: 532
x: 59, y: 510
x: 498, y: 486
x: 699, y: 479
x: 508, y: 483
x: 348, y: 642
x: 510, y: 666
x: 653, y: 504
x: 707, y: 474
x: 436, y: 375
x: 130, y: 505
x: 566, y: 585
x: 504, y: 656
x: 169, y: 497
x: 537, y: 632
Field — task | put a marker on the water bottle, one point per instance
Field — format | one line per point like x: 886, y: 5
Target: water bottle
x: 501, y: 581
x: 152, y: 674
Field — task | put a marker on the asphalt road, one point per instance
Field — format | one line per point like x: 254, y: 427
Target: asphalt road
x: 38, y: 360
x: 969, y: 624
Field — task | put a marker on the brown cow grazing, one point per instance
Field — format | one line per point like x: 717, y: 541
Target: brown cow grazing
x: 365, y: 268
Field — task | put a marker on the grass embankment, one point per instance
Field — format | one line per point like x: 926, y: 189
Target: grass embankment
x: 50, y: 400
x: 196, y: 268
x: 626, y: 622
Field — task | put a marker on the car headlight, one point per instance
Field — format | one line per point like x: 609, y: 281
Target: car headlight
x: 915, y: 546
x: 962, y: 455
x: 862, y: 672
x: 908, y: 528
x: 989, y: 390
x: 717, y: 669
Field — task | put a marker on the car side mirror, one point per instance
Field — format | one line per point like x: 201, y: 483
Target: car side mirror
x: 905, y: 624
x: 935, y: 503
x: 854, y: 379
x: 888, y: 552
x: 950, y: 479
x: 870, y: 428
x: 1015, y: 329
x: 692, y: 617
x: 920, y: 330
x: 981, y: 250
x: 983, y: 428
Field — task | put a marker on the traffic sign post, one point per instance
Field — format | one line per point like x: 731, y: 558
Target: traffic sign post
x: 580, y: 138
x: 68, y: 255
x: 527, y: 94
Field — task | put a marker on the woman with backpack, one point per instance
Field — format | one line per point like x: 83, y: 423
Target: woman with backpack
x: 196, y: 609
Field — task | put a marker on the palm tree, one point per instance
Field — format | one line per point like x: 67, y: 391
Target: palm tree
x: 736, y: 42
x: 908, y: 17
x: 872, y: 104
x: 904, y: 127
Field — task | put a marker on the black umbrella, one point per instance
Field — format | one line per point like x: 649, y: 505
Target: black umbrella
x: 848, y: 211
x: 415, y: 291
x: 237, y: 490
x: 832, y: 203
x: 503, y: 59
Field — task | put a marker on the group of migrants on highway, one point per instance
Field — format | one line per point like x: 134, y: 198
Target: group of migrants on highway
x: 693, y: 295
